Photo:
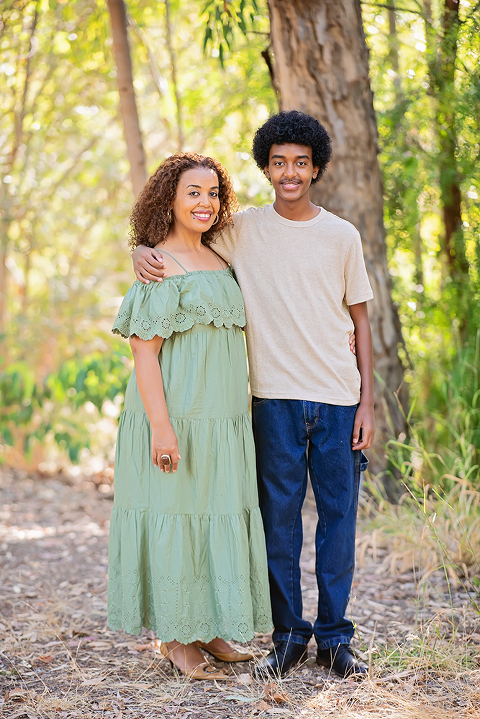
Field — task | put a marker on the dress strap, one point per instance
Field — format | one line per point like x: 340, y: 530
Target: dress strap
x: 218, y: 258
x: 173, y: 258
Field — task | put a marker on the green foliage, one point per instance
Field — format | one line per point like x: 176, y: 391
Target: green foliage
x: 65, y: 194
x: 223, y: 18
x: 444, y: 446
x: 439, y: 313
x: 34, y: 411
x: 65, y: 198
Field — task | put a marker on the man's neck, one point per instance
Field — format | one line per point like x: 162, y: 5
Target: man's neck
x: 299, y: 211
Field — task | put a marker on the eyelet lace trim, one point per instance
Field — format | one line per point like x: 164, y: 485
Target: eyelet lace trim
x: 181, y: 320
x: 144, y: 591
x: 195, y: 621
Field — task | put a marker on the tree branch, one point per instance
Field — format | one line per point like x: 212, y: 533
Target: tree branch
x: 21, y: 212
x: 173, y: 67
x: 391, y: 7
x: 20, y: 114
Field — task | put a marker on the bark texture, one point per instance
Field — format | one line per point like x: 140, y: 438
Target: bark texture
x: 173, y: 68
x: 321, y: 67
x: 128, y: 105
x: 442, y: 60
x: 8, y: 211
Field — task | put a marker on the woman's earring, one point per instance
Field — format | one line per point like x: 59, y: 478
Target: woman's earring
x: 215, y: 221
x: 170, y: 218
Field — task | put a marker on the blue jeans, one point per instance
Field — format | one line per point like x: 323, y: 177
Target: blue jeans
x: 294, y: 438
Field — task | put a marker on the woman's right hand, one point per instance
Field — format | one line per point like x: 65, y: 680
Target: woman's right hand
x: 164, y: 441
x: 148, y: 264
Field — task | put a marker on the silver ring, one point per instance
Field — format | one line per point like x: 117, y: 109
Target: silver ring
x: 165, y: 459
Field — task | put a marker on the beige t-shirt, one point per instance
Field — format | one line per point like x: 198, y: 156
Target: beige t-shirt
x: 297, y: 280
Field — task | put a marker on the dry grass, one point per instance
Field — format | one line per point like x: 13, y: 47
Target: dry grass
x: 58, y: 659
x: 426, y: 531
x: 405, y: 696
x: 146, y: 688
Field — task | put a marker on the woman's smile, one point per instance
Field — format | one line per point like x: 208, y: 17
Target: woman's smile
x: 202, y: 215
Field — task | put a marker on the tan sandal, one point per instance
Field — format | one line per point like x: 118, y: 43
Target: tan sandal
x: 202, y: 671
x: 234, y: 656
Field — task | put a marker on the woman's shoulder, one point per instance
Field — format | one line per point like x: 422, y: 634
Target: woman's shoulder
x: 176, y: 266
x: 144, y: 303
x: 173, y: 268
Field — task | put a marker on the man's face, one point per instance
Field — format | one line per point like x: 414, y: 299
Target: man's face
x: 290, y: 169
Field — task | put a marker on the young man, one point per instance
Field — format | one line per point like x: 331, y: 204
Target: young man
x: 305, y: 287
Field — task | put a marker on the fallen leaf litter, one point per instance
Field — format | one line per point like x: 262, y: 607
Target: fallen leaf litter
x: 58, y: 658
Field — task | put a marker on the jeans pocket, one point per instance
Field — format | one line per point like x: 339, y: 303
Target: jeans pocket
x: 362, y: 462
x: 257, y: 401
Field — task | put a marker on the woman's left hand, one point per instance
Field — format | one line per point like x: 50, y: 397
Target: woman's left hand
x: 164, y: 443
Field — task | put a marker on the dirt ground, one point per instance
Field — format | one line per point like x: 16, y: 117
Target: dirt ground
x: 58, y: 659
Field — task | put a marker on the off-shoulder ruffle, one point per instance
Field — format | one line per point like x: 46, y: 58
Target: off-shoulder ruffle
x: 180, y: 302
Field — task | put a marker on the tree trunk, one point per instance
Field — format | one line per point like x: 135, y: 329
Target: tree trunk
x: 128, y: 105
x: 321, y: 66
x: 3, y: 288
x: 173, y: 67
x: 442, y: 57
x: 393, y: 52
x: 6, y: 201
x: 451, y: 197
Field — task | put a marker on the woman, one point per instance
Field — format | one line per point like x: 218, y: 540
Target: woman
x: 187, y: 551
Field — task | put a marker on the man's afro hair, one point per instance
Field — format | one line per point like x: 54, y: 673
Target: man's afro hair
x: 296, y: 128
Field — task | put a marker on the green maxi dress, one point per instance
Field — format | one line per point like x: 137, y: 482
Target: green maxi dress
x: 187, y: 551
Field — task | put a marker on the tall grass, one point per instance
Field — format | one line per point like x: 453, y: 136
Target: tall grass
x: 444, y: 421
x: 435, y: 525
x: 434, y: 530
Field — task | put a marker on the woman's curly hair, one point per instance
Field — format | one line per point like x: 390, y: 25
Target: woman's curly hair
x: 296, y: 128
x: 150, y: 218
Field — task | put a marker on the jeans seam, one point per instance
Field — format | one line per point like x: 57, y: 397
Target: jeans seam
x: 357, y: 483
x: 259, y: 401
x: 309, y: 426
x: 292, y: 566
x: 320, y: 592
x: 355, y: 506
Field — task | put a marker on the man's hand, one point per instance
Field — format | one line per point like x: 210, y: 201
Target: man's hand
x: 148, y: 264
x: 364, y: 427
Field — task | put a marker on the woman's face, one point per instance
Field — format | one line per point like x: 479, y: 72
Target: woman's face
x: 196, y: 203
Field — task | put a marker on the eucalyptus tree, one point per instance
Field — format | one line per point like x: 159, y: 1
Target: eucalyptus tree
x: 65, y: 195
x: 320, y: 66
x: 128, y: 105
x: 442, y: 47
x: 60, y: 166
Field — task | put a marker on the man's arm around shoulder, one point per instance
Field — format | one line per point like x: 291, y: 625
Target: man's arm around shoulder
x: 148, y: 264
